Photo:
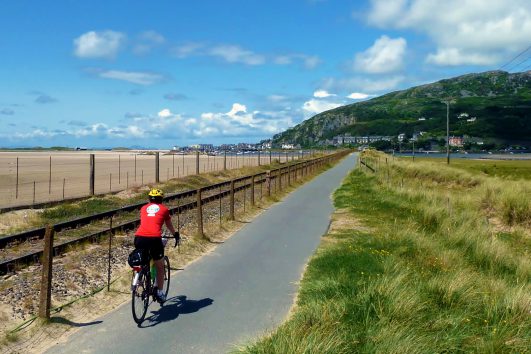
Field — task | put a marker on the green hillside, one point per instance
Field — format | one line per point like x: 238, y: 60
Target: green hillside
x: 501, y: 103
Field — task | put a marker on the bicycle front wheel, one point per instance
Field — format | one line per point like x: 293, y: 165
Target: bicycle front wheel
x: 166, y: 276
x: 140, y: 299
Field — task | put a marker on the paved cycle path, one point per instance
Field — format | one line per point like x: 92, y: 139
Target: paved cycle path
x: 243, y: 289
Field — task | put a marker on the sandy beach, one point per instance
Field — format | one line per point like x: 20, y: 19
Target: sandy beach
x: 55, y: 175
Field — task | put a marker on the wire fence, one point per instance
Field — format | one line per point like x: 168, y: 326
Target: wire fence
x: 32, y: 178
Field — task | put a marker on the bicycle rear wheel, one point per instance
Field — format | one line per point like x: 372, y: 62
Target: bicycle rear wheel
x: 166, y: 276
x: 140, y: 298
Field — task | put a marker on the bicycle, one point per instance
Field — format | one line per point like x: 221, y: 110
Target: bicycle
x: 143, y: 283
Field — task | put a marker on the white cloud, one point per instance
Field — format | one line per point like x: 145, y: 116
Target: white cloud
x: 363, y: 84
x: 386, y: 55
x: 104, y: 44
x: 100, y: 130
x: 152, y: 37
x: 236, y: 54
x: 232, y: 53
x: 276, y: 98
x: 165, y: 124
x: 358, y: 96
x: 136, y: 132
x: 311, y: 61
x: 322, y: 94
x: 148, y: 40
x: 308, y: 61
x: 315, y: 106
x: 454, y: 56
x: 238, y: 121
x: 188, y: 49
x: 165, y: 113
x: 476, y: 32
x: 36, y: 133
x: 237, y: 108
x: 283, y: 60
x: 386, y: 12
x: 139, y: 78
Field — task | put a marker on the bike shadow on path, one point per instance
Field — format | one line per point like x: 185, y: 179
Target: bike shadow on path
x: 65, y: 321
x: 173, y: 308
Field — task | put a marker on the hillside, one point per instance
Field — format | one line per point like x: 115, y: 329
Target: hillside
x: 500, y: 101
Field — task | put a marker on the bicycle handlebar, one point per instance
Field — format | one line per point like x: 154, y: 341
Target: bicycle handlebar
x: 175, y: 236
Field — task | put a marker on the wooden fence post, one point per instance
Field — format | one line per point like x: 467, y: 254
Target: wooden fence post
x: 268, y: 183
x: 199, y: 214
x: 220, y: 211
x: 225, y: 160
x: 280, y: 179
x: 111, y: 233
x: 289, y: 175
x: 92, y: 174
x: 231, y: 214
x: 16, y: 184
x: 46, y: 279
x: 197, y: 162
x: 157, y: 164
x: 252, y: 190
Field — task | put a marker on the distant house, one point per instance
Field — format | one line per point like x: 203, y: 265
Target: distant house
x: 457, y: 141
x: 288, y: 146
x: 472, y: 119
x: 227, y: 147
x: 201, y: 147
x: 462, y: 115
x: 347, y: 139
x: 206, y: 147
x: 373, y: 138
x: 401, y: 137
x: 422, y: 119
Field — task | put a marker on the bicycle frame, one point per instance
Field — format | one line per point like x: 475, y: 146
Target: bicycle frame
x: 142, y: 277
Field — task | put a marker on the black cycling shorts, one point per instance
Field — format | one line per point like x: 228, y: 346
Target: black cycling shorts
x: 153, y: 244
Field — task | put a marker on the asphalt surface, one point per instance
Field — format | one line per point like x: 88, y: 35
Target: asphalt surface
x: 243, y: 289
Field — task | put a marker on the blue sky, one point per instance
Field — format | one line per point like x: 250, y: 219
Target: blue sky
x: 165, y: 73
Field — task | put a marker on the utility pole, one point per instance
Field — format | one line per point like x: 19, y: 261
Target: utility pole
x: 413, y: 150
x: 447, y: 132
x: 448, y: 101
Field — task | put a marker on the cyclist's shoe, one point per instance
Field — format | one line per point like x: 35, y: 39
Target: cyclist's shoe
x: 161, y: 298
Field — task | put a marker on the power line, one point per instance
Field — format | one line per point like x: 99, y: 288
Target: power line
x: 513, y: 67
x: 516, y: 57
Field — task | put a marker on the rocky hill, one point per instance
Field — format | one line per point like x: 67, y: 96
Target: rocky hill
x: 500, y: 102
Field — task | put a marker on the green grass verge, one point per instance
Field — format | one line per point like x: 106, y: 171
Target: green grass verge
x: 423, y: 272
x: 510, y: 169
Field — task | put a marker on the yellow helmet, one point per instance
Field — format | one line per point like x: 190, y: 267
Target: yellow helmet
x: 154, y: 192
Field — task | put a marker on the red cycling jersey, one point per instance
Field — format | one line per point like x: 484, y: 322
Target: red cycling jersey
x: 152, y: 217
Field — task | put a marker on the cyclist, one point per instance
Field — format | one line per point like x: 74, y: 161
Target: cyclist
x: 149, y: 234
